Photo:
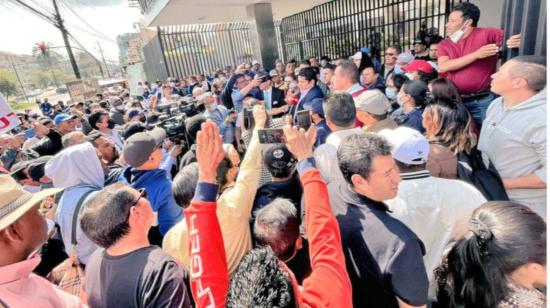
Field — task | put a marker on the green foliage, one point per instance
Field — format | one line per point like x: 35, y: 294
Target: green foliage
x: 21, y: 106
x: 8, y: 83
x: 53, y: 77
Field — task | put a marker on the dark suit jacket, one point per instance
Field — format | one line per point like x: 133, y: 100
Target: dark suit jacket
x: 277, y: 97
x: 314, y: 93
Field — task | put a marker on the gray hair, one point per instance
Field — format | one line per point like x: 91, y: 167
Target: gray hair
x: 72, y: 139
x: 185, y: 183
x: 530, y: 68
x: 277, y: 225
x: 356, y: 153
x: 339, y: 107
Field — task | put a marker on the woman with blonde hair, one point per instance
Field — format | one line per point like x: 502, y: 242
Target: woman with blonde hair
x: 447, y: 124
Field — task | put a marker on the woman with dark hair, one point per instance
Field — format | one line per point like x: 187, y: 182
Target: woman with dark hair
x: 444, y: 88
x: 447, y: 124
x: 366, y: 61
x: 412, y: 100
x: 394, y: 82
x: 500, y: 262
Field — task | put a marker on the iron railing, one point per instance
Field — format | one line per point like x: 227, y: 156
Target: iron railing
x: 196, y: 49
x: 527, y: 17
x: 341, y: 28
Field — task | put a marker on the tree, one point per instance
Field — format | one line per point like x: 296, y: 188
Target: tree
x: 41, y: 79
x: 45, y: 56
x: 8, y: 83
x: 53, y: 77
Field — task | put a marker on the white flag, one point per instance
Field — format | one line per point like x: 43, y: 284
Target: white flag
x: 8, y: 118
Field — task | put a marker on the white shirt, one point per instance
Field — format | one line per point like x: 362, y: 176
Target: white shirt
x: 325, y: 155
x: 115, y: 137
x: 437, y: 210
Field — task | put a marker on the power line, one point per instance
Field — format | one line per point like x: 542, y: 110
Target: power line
x: 86, y: 23
x: 38, y: 13
x: 45, y: 8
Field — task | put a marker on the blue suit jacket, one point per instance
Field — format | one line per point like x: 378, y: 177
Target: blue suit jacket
x: 314, y: 93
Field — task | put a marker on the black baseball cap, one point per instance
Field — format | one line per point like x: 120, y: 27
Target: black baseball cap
x: 140, y: 146
x: 277, y: 156
x: 35, y: 169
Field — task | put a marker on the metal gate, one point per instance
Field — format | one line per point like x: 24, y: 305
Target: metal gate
x: 200, y: 49
x: 342, y: 27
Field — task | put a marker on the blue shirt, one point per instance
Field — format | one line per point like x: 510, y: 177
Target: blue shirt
x: 322, y: 132
x: 412, y: 119
x: 237, y: 98
x: 159, y: 193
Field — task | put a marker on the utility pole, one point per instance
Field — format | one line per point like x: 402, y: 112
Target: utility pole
x: 63, y: 30
x: 18, y: 79
x: 103, y: 57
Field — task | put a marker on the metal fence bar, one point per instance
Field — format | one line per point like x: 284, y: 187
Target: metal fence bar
x: 341, y: 28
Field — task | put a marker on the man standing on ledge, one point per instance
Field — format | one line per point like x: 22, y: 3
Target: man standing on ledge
x: 471, y: 51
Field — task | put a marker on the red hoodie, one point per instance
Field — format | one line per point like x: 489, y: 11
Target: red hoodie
x: 327, y: 286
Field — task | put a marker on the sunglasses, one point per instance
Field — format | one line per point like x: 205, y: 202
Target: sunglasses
x: 142, y: 194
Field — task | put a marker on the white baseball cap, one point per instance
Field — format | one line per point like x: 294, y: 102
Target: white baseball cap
x: 409, y: 146
x: 357, y: 56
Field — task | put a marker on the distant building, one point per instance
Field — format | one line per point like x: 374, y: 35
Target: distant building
x: 126, y: 48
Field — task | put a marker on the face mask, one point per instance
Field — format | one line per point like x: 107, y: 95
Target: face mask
x: 409, y: 75
x: 214, y: 106
x: 397, y: 69
x: 455, y: 37
x: 390, y: 93
x: 155, y: 220
x: 111, y: 124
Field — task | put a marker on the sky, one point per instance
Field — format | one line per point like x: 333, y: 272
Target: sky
x: 22, y: 29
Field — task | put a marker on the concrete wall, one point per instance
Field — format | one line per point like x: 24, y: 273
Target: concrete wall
x: 491, y: 12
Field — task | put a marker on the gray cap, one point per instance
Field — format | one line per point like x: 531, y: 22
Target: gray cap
x: 373, y: 102
x: 140, y: 146
x: 273, y: 73
x: 405, y: 57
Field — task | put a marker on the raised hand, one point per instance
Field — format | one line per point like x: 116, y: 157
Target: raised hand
x: 514, y: 41
x: 487, y: 51
x: 299, y: 142
x: 209, y: 152
x: 260, y: 116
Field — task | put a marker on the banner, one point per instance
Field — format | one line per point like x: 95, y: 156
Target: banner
x: 83, y: 89
x: 8, y: 119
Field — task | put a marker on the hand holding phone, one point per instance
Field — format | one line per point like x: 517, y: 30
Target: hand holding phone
x: 303, y: 119
x: 271, y: 135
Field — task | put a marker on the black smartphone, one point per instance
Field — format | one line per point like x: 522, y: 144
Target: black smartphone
x: 303, y: 119
x: 248, y: 118
x: 271, y: 135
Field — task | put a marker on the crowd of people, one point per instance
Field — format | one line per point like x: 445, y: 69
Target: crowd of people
x: 416, y: 180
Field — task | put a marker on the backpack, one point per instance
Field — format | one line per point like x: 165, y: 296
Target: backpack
x: 472, y: 169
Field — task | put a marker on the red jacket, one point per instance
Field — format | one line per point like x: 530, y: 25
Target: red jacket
x: 327, y: 286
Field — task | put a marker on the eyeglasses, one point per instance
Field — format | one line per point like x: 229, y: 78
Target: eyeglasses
x: 142, y: 194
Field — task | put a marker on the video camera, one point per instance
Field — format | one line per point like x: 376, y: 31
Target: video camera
x: 186, y: 105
